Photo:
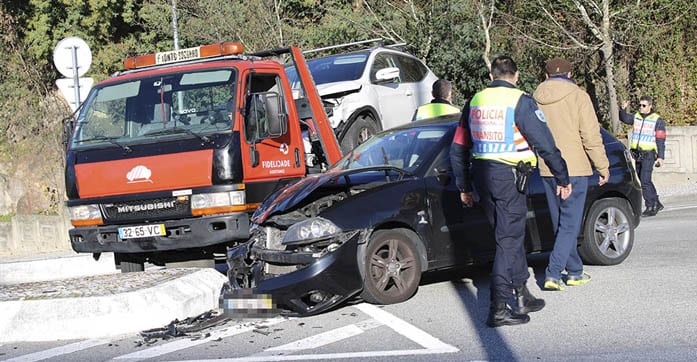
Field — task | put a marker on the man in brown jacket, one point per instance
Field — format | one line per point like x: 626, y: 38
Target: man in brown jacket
x: 572, y: 120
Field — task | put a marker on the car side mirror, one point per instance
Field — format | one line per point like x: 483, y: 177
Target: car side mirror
x: 387, y: 75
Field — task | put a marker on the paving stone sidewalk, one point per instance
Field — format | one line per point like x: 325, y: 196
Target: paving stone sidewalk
x: 90, y: 286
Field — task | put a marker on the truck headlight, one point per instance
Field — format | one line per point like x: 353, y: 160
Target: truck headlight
x: 308, y: 231
x: 218, y: 202
x: 85, y: 215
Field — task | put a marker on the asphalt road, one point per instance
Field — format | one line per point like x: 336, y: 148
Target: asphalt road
x: 643, y: 309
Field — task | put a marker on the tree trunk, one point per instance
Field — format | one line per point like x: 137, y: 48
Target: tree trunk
x: 610, y: 68
x: 611, y: 91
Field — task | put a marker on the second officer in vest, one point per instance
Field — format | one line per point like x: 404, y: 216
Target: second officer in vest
x: 499, y: 128
x: 442, y: 92
x: 648, y: 146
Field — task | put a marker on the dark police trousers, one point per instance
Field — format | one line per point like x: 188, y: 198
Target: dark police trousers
x: 644, y: 168
x: 506, y: 209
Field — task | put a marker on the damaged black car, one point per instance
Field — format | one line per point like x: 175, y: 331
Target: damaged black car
x: 388, y: 212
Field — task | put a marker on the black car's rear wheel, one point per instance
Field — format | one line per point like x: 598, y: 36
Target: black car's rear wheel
x: 392, y: 268
x: 608, y: 234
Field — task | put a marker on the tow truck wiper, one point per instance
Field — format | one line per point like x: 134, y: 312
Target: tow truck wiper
x: 176, y: 130
x: 111, y: 140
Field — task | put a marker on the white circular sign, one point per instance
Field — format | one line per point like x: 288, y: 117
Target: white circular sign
x: 63, y: 56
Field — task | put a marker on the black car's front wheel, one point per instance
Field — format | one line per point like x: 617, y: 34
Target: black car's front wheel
x: 608, y: 234
x: 392, y: 268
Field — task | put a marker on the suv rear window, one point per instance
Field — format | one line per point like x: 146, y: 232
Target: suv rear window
x: 412, y: 70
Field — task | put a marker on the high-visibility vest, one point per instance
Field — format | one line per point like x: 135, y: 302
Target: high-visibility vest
x: 494, y: 133
x: 644, y: 132
x: 431, y: 110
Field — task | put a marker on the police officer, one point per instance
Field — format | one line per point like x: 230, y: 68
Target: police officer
x: 499, y: 127
x: 440, y: 105
x: 648, y: 145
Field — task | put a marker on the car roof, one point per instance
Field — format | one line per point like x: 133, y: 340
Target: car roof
x: 367, y: 51
x: 448, y: 120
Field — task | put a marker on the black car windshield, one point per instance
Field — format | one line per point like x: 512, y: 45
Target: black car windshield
x: 150, y: 108
x: 336, y: 68
x: 401, y: 148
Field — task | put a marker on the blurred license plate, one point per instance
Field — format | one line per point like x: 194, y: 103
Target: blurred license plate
x: 141, y: 231
x: 244, y: 303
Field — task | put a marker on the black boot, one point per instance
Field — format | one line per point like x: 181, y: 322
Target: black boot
x: 526, y: 302
x: 650, y: 211
x: 501, y: 315
x: 659, y: 206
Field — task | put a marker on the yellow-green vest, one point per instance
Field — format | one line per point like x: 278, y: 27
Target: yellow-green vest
x: 494, y: 133
x: 431, y: 110
x: 644, y: 132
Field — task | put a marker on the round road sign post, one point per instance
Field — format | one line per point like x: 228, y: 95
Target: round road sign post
x: 73, y: 58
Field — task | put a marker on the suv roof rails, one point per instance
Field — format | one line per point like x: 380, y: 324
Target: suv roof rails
x: 380, y: 43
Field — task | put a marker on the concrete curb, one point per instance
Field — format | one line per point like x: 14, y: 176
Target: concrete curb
x: 55, y: 268
x: 110, y: 315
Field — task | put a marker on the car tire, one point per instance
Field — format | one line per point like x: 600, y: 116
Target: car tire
x: 392, y: 267
x: 362, y: 128
x: 608, y: 232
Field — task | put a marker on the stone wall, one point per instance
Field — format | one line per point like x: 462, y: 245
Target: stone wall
x: 681, y: 150
x: 33, y: 235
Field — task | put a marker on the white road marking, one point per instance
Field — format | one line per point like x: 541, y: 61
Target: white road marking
x: 379, y: 317
x: 676, y: 208
x: 320, y: 339
x: 59, y: 351
x: 187, y: 343
x: 328, y: 356
x: 432, y: 345
x: 408, y: 330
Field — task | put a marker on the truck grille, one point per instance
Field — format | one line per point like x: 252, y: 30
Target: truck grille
x: 146, y: 210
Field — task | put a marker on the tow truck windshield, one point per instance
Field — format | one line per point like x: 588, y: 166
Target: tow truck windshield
x: 147, y: 109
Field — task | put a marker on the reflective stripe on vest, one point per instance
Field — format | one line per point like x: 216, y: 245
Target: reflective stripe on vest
x: 644, y: 132
x: 492, y: 127
x: 434, y: 110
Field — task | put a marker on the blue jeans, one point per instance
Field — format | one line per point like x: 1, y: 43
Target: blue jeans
x: 566, y: 223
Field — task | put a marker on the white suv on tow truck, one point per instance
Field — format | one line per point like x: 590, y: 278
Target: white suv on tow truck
x: 369, y: 90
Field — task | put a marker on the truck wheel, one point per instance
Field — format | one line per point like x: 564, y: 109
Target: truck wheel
x: 358, y: 132
x: 392, y: 268
x: 196, y: 263
x: 128, y: 264
x: 608, y: 234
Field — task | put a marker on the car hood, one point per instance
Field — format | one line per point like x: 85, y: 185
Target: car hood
x: 338, y: 89
x: 292, y: 195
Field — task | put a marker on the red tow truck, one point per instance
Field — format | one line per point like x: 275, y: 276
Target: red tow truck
x: 166, y: 160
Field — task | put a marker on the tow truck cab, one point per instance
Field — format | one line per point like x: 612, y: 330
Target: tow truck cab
x: 166, y: 161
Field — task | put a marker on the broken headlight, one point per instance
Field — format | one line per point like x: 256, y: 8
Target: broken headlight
x: 310, y: 230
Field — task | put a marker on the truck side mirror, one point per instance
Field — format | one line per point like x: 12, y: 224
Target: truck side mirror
x: 264, y: 116
x: 278, y: 120
x: 68, y: 129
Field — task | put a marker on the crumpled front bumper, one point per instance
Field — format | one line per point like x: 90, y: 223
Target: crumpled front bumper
x: 315, y: 288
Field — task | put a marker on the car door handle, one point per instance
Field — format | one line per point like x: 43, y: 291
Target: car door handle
x: 409, y: 93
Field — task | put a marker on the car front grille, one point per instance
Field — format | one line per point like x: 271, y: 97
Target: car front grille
x: 146, y: 210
